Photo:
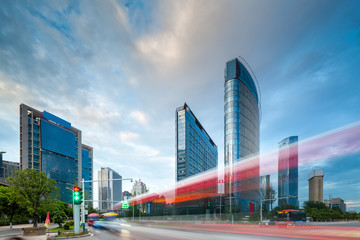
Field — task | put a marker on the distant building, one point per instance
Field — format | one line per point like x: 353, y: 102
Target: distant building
x: 265, y: 187
x: 336, y: 203
x: 7, y: 168
x: 126, y: 195
x: 52, y: 145
x: 316, y: 181
x: 139, y: 188
x: 288, y: 171
x: 241, y: 136
x: 195, y: 150
x: 110, y: 192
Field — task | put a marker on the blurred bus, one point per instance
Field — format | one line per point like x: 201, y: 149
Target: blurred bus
x: 290, y: 215
x: 92, y: 217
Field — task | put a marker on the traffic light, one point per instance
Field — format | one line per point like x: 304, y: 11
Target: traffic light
x: 209, y: 203
x: 77, y: 195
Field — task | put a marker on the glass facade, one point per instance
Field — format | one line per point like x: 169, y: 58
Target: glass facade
x: 58, y: 139
x: 241, y: 131
x: 195, y: 150
x: 59, y: 157
x: 87, y: 172
x: 288, y: 171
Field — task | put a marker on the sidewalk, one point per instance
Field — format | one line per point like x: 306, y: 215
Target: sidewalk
x: 6, y: 232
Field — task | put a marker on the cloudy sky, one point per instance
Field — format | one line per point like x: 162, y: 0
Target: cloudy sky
x: 117, y: 70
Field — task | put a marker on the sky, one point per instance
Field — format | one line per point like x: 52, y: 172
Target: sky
x: 117, y: 70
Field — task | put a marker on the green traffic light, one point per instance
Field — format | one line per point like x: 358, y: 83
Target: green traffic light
x: 77, y: 195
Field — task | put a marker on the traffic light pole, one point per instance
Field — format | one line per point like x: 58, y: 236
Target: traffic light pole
x: 76, y: 209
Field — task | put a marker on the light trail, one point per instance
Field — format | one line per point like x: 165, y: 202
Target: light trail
x: 326, y: 146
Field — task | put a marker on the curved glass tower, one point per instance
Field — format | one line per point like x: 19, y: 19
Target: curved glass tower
x: 241, y: 135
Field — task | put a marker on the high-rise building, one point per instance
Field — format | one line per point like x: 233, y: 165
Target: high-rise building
x: 336, y: 203
x: 288, y: 172
x: 316, y: 181
x: 265, y: 188
x: 53, y: 146
x: 7, y: 168
x: 241, y: 132
x: 87, y: 169
x: 110, y: 191
x: 139, y: 188
x: 195, y: 150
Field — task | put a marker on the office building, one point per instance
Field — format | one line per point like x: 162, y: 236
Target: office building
x: 288, y: 172
x: 53, y: 146
x: 336, y: 203
x: 195, y: 150
x: 139, y: 188
x: 110, y: 191
x: 87, y: 169
x: 7, y: 168
x: 264, y: 189
x: 241, y: 132
x: 316, y: 181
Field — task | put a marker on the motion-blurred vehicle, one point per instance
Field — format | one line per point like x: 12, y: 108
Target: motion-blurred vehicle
x: 290, y: 216
x: 92, y: 218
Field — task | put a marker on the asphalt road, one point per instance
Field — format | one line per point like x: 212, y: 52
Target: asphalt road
x: 148, y: 233
x: 128, y: 231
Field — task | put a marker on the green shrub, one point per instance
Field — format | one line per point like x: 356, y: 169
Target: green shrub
x: 68, y: 224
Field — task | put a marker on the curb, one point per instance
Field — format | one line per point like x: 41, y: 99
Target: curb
x: 80, y: 236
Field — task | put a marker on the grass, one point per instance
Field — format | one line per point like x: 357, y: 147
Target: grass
x: 60, y: 229
x: 72, y: 234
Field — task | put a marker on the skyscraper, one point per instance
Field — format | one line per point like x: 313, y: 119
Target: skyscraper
x: 110, y: 192
x: 288, y: 171
x: 316, y: 181
x: 195, y: 150
x: 51, y: 145
x: 241, y: 134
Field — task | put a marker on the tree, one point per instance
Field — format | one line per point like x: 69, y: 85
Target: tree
x: 33, y: 191
x: 59, y: 217
x: 268, y: 193
x: 314, y: 204
x: 8, y: 204
x: 65, y: 207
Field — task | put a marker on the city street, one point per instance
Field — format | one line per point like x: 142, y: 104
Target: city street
x: 125, y: 230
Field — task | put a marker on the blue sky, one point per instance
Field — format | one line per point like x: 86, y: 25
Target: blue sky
x: 117, y: 70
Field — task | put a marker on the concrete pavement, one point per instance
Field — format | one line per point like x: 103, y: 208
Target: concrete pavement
x: 6, y: 232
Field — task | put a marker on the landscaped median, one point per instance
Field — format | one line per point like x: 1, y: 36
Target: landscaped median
x: 67, y: 231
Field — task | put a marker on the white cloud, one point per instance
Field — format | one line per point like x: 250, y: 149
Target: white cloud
x: 128, y: 136
x: 139, y: 117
